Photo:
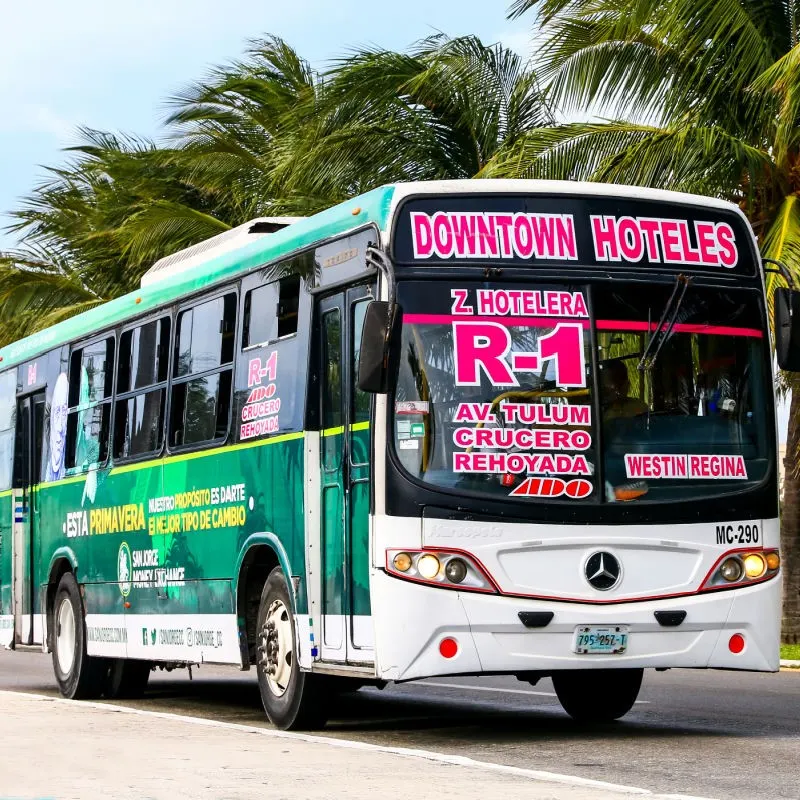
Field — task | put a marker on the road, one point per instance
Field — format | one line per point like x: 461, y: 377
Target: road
x: 711, y: 734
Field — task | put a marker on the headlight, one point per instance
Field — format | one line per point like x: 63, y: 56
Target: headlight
x: 740, y: 568
x: 754, y: 565
x: 454, y: 570
x: 428, y: 566
x: 731, y: 569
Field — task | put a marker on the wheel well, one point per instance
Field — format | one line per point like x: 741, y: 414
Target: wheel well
x: 256, y: 567
x: 60, y: 568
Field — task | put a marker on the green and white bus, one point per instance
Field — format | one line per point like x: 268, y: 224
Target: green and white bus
x: 506, y: 427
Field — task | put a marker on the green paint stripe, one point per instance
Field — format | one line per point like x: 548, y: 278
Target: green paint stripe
x: 359, y: 426
x: 286, y: 437
x: 7, y: 493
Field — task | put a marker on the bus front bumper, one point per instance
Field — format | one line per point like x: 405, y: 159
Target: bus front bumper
x: 413, y: 619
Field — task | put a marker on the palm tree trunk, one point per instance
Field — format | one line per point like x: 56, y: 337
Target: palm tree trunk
x: 790, y: 527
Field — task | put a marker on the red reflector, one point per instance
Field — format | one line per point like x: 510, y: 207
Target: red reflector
x: 507, y: 480
x: 448, y: 647
x: 736, y: 643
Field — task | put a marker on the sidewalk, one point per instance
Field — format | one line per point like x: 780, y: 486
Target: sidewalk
x: 58, y: 749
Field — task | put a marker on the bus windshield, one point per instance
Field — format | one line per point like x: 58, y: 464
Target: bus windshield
x: 497, y: 393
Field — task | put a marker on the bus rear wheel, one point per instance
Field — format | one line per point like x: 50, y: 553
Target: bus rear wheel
x: 79, y: 675
x: 127, y: 679
x: 597, y: 695
x: 292, y: 699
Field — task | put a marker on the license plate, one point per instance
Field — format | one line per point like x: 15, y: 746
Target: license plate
x: 596, y: 639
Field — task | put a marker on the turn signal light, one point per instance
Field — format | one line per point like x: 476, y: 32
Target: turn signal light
x: 773, y: 560
x: 402, y: 562
x: 448, y: 569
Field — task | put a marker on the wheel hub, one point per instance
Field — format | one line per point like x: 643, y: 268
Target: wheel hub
x: 275, y: 653
x: 65, y: 636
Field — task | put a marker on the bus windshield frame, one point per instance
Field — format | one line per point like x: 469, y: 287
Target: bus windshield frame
x: 455, y: 256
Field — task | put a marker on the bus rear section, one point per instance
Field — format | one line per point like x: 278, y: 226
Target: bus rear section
x: 580, y: 436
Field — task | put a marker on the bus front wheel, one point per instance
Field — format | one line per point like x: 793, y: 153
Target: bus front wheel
x: 79, y: 675
x: 292, y: 699
x: 597, y: 695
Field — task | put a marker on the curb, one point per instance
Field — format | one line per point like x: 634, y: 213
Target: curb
x: 790, y: 664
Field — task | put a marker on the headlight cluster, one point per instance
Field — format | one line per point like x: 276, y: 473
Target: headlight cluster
x: 451, y: 570
x: 742, y: 567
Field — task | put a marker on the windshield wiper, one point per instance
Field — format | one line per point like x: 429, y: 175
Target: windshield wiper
x: 664, y: 328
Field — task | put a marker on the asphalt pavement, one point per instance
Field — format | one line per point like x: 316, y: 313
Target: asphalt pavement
x: 724, y: 735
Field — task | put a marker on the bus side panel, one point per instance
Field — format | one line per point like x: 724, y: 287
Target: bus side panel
x: 157, y: 545
x: 6, y: 591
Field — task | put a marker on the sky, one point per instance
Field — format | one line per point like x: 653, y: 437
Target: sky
x: 111, y: 66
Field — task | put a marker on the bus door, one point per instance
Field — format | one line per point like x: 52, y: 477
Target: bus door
x: 27, y: 476
x: 345, y: 482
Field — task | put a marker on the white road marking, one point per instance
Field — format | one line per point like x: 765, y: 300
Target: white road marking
x: 503, y: 691
x: 352, y: 744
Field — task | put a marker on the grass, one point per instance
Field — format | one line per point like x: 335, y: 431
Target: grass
x: 790, y: 651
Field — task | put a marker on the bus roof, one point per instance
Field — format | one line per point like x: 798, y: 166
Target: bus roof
x: 376, y: 207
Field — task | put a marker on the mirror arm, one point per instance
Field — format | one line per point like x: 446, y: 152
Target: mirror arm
x: 378, y: 259
x: 781, y: 270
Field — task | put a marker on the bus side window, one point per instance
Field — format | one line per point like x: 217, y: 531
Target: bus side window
x: 8, y: 397
x: 331, y: 388
x: 271, y: 311
x: 202, y: 373
x: 141, y: 389
x: 91, y: 371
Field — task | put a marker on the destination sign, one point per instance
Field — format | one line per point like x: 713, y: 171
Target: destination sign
x: 557, y: 230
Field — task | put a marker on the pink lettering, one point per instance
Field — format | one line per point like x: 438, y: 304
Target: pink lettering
x: 487, y: 235
x: 482, y: 346
x: 630, y: 239
x: 727, y: 245
x: 442, y: 235
x: 422, y: 235
x: 523, y: 237
x: 464, y: 233
x: 459, y: 302
x: 606, y: 247
x: 670, y: 241
x: 706, y: 242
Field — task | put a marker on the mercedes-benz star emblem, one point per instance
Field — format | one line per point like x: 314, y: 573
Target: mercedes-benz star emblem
x: 603, y: 571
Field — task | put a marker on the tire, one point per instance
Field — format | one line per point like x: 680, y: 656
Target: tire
x: 601, y: 695
x: 127, y: 679
x: 293, y: 700
x: 79, y: 676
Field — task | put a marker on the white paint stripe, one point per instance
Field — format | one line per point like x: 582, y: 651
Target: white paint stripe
x: 469, y: 687
x: 351, y: 744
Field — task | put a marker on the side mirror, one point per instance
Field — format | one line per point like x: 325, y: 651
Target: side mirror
x: 787, y: 329
x: 374, y: 353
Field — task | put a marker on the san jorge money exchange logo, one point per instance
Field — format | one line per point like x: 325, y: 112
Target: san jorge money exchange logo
x: 124, y: 569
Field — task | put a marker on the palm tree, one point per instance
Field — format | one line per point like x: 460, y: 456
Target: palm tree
x: 442, y: 110
x: 701, y: 96
x: 84, y: 233
x: 263, y: 135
